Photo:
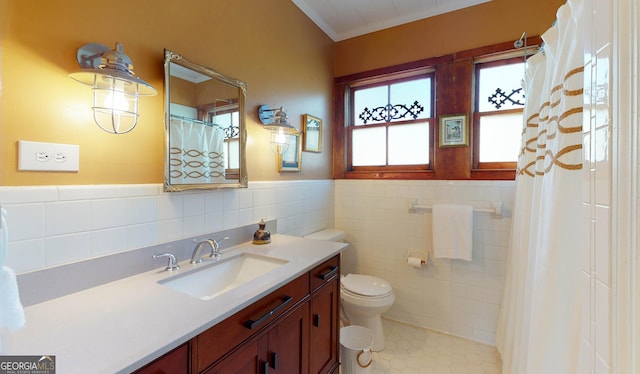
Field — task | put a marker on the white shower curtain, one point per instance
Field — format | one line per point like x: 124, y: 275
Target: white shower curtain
x: 540, y: 323
x: 197, y: 152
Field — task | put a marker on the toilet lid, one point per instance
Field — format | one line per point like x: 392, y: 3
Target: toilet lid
x: 365, y: 285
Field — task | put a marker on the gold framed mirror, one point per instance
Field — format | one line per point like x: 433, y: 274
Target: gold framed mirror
x: 205, y: 127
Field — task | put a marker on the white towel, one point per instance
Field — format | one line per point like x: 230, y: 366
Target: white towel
x: 452, y: 231
x: 11, y: 310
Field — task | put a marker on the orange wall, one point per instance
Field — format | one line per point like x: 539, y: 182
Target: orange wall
x: 284, y: 58
x: 477, y: 26
x: 183, y: 92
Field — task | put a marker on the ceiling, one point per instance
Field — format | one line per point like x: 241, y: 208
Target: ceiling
x: 344, y: 19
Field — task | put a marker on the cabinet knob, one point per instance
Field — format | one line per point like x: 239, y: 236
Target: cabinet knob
x: 316, y: 320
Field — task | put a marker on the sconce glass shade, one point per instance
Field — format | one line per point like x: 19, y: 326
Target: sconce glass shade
x: 116, y: 89
x: 276, y: 121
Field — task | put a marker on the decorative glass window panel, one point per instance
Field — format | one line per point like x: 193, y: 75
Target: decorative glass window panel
x: 368, y: 98
x: 499, y: 107
x: 500, y: 137
x: 369, y: 146
x: 401, y: 101
x: 409, y: 144
x: 391, y: 123
x: 500, y: 87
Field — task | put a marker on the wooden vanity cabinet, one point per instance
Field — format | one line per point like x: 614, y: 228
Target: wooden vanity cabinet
x: 289, y: 344
x: 282, y: 348
x: 245, y: 359
x: 217, y: 342
x: 292, y: 330
x: 325, y: 317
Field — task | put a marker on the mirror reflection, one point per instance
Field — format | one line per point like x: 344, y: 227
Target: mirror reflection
x: 204, y: 127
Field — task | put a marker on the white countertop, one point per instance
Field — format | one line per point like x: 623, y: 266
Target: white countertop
x: 123, y: 325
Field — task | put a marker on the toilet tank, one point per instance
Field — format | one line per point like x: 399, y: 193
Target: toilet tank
x: 332, y: 235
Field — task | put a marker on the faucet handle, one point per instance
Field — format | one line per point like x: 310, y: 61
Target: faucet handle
x: 172, y: 262
x: 216, y: 243
x: 215, y: 247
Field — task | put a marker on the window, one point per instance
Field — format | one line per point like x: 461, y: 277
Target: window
x: 499, y: 106
x: 390, y: 124
x: 227, y: 117
x: 387, y: 119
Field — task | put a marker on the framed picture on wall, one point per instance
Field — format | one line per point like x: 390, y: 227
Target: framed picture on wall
x: 312, y: 134
x: 454, y: 131
x: 291, y: 159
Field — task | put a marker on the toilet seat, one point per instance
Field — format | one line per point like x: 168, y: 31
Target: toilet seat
x: 365, y: 286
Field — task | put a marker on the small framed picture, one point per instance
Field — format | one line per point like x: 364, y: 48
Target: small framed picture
x: 291, y: 158
x: 454, y: 131
x: 312, y: 133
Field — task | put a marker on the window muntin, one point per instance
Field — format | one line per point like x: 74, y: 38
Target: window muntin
x: 391, y: 123
x: 499, y: 111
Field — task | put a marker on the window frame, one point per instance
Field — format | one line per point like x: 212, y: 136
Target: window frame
x: 477, y: 115
x: 446, y: 163
x: 350, y: 125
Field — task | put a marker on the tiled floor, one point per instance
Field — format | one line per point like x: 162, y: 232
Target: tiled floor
x: 411, y: 350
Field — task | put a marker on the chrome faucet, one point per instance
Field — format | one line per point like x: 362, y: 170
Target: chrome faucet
x: 196, y: 257
x: 172, y: 263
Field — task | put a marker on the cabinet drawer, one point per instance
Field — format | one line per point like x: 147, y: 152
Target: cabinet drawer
x: 324, y: 272
x: 214, y: 343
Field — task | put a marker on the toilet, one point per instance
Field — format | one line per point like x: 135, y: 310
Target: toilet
x: 363, y: 297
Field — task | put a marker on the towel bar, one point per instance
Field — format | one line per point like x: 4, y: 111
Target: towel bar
x: 496, y: 208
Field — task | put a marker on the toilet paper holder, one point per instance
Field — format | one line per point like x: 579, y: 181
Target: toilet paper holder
x: 414, y: 256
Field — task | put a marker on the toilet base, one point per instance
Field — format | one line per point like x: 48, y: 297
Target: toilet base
x: 374, y: 323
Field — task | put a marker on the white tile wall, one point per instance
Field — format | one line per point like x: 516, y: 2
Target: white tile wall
x: 598, y: 150
x: 453, y: 296
x: 54, y: 225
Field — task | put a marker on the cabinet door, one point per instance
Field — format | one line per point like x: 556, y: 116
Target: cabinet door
x: 213, y: 344
x: 289, y: 343
x: 246, y: 359
x: 325, y: 328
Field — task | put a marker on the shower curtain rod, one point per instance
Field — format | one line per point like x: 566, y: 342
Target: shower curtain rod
x: 522, y: 41
x: 199, y: 122
x: 529, y: 49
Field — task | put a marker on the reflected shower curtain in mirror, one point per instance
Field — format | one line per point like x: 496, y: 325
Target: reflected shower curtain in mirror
x: 197, y: 152
x: 541, y: 324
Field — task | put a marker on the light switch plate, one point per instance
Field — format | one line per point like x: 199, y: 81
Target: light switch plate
x: 38, y: 156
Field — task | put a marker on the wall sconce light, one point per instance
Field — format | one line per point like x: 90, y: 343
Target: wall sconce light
x: 115, y: 88
x: 275, y: 120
